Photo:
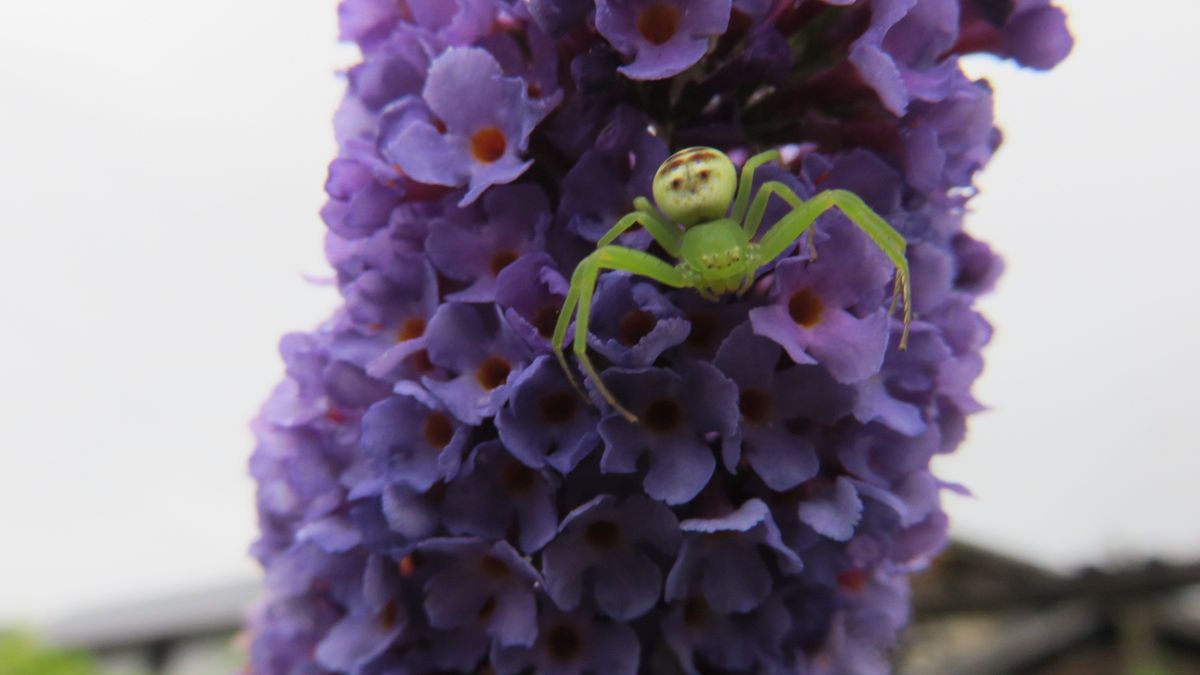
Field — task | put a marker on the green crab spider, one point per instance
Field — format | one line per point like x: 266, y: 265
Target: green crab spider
x: 716, y: 253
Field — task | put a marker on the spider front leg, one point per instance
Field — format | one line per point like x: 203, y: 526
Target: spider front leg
x: 579, y: 296
x: 667, y: 235
x: 746, y: 182
x: 789, y: 228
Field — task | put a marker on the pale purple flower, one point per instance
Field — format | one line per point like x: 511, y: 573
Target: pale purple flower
x: 474, y: 246
x: 662, y: 37
x: 482, y: 354
x: 471, y: 126
x: 812, y: 314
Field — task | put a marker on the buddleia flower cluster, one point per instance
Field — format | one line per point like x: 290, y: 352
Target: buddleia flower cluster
x: 434, y: 497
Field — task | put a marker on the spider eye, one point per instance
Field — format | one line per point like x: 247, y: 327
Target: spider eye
x: 695, y: 185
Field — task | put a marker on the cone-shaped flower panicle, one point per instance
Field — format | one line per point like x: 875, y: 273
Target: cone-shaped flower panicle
x: 437, y: 494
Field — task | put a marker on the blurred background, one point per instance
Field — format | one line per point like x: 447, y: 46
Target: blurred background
x: 161, y: 166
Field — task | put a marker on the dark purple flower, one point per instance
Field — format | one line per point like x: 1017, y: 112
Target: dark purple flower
x: 573, y: 644
x: 482, y: 353
x: 482, y: 584
x: 771, y: 403
x: 618, y: 168
x: 531, y: 291
x: 413, y: 439
x: 546, y: 421
x: 832, y: 508
x: 663, y: 37
x: 678, y: 411
x: 721, y: 563
x: 864, y: 627
x: 486, y: 116
x: 496, y: 496
x: 610, y: 542
x: 557, y: 16
x: 1031, y: 31
x: 475, y: 245
x: 703, y: 639
x: 376, y: 619
x: 709, y: 323
x: 632, y: 323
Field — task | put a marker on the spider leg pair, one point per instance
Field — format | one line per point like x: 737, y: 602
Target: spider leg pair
x: 717, y: 255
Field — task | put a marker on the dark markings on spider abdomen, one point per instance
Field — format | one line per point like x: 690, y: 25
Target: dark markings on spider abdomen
x: 688, y: 157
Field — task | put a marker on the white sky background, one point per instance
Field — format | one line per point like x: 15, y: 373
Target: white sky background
x: 161, y: 164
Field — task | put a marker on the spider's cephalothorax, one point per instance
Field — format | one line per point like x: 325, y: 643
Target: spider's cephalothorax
x: 714, y: 243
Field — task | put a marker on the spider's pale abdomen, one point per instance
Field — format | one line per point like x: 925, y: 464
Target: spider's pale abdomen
x: 695, y: 185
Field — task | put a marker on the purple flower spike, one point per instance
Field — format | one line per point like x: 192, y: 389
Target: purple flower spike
x: 474, y: 343
x: 483, y: 584
x: 664, y: 37
x: 811, y: 314
x: 486, y: 116
x: 546, y: 421
x: 413, y: 438
x: 573, y: 644
x: 431, y: 497
x: 497, y: 496
x: 678, y: 411
x: 720, y: 560
x: 610, y: 541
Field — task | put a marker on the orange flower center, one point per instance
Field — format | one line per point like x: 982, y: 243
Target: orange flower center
x: 437, y: 430
x: 412, y: 328
x: 805, y: 308
x: 658, y: 23
x: 488, y: 145
x: 493, y: 372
